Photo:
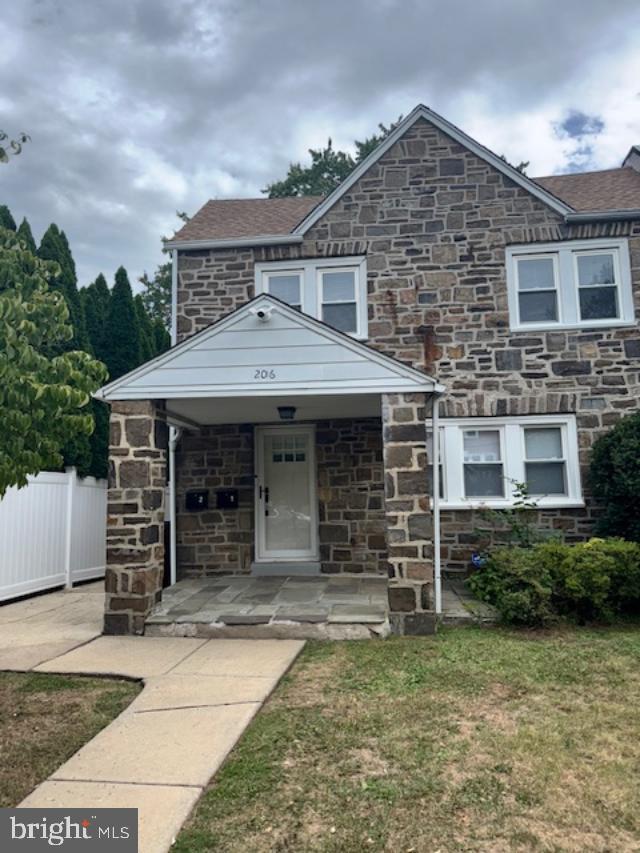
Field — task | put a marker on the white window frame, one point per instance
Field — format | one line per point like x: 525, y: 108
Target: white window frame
x: 513, y: 460
x: 565, y: 256
x: 311, y: 283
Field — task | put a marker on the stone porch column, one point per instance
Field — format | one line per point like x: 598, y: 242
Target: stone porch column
x: 135, y: 515
x: 408, y: 514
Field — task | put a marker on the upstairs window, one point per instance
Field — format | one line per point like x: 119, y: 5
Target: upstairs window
x: 333, y: 290
x: 577, y: 284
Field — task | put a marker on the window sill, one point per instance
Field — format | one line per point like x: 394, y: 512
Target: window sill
x: 548, y: 503
x: 574, y: 327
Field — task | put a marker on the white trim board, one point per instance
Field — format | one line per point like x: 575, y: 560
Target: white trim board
x: 231, y: 358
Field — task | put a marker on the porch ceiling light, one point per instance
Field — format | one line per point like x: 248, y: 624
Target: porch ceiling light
x: 287, y: 413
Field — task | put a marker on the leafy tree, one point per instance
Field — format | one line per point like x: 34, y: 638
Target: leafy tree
x: 11, y: 146
x: 122, y: 336
x: 43, y: 399
x: 329, y: 167
x: 6, y: 219
x: 156, y: 294
x: 25, y: 234
x: 520, y: 167
x: 614, y: 476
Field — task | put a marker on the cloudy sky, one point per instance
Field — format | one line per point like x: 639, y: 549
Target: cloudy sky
x: 139, y: 108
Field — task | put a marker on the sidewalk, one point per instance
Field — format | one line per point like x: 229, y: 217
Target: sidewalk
x: 161, y: 752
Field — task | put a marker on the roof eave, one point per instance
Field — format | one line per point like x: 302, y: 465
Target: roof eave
x: 602, y: 215
x: 235, y: 242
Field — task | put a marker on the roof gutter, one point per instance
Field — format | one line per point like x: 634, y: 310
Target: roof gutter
x: 236, y: 243
x: 602, y: 216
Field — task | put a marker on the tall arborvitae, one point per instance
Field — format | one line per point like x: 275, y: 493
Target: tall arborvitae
x: 6, y: 219
x: 95, y: 303
x: 122, y: 338
x: 145, y: 329
x: 25, y: 234
x: 54, y: 247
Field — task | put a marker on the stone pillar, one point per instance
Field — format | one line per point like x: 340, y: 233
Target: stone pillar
x: 135, y: 515
x: 408, y: 514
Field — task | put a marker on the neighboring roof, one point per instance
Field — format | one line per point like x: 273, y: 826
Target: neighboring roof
x: 305, y: 356
x: 609, y: 189
x: 233, y: 218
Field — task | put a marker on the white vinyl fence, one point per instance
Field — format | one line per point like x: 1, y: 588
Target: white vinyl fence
x: 52, y: 532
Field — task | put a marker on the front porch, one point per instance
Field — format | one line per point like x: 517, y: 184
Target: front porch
x: 322, y: 607
x: 318, y: 463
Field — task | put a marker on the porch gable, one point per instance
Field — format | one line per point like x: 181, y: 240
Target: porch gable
x: 266, y: 348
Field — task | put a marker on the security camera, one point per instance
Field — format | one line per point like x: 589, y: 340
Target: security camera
x: 263, y: 314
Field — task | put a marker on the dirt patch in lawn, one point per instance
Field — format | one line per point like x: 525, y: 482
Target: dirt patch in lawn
x: 475, y: 740
x: 45, y: 718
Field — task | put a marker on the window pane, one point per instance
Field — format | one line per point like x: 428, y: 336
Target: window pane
x: 595, y: 269
x: 538, y: 307
x: 342, y: 317
x: 483, y: 481
x: 338, y: 286
x: 286, y: 287
x: 598, y: 303
x: 543, y: 443
x: 546, y: 478
x: 536, y: 274
x: 481, y: 445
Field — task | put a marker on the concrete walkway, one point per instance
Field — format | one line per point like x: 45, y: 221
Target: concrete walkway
x: 160, y: 753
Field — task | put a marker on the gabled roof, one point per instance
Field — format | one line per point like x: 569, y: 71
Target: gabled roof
x: 232, y: 218
x: 276, y: 220
x: 608, y: 189
x: 422, y: 112
x: 243, y: 355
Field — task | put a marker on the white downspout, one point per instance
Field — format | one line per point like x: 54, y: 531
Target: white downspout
x: 174, y: 432
x: 174, y: 438
x: 435, y: 462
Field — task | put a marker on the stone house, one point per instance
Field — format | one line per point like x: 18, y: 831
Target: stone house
x: 438, y: 302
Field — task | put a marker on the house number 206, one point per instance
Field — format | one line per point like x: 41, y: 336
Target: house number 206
x: 265, y: 373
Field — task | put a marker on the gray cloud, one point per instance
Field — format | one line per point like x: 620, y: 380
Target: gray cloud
x: 137, y: 108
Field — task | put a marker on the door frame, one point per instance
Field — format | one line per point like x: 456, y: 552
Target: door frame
x: 261, y: 555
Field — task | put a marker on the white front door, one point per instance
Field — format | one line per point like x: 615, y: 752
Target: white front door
x: 286, y: 497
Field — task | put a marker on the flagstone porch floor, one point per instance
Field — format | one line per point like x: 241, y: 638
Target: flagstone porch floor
x: 323, y: 607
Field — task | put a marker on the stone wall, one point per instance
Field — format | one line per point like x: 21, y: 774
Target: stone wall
x: 135, y: 515
x: 350, y: 497
x: 434, y: 220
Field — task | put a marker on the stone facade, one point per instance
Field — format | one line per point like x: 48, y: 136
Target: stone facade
x: 350, y: 498
x: 433, y: 220
x: 135, y: 515
x: 408, y: 515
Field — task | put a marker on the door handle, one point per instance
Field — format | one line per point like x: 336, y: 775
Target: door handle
x: 266, y: 494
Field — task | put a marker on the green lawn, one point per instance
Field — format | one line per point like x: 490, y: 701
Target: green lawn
x: 477, y: 739
x: 44, y: 719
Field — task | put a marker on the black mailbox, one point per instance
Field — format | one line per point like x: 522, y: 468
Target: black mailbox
x: 197, y: 500
x: 227, y: 499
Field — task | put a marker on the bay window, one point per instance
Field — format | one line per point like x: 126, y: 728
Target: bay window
x: 572, y: 284
x: 333, y: 290
x: 483, y: 458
